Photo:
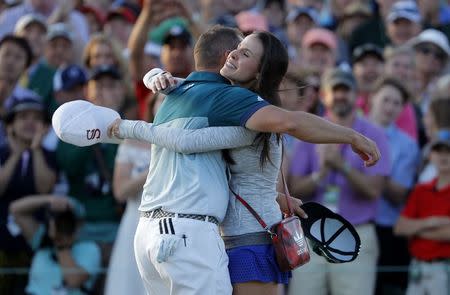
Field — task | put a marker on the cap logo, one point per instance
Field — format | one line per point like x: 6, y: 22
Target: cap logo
x: 176, y: 30
x: 93, y: 134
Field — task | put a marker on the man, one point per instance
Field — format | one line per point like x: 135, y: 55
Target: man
x: 319, y: 50
x: 60, y: 46
x: 403, y: 22
x: 69, y: 83
x: 368, y: 62
x: 332, y: 175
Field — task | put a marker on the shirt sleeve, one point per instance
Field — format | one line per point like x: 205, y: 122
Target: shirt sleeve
x: 87, y: 255
x: 188, y: 141
x: 234, y: 106
x: 408, y: 165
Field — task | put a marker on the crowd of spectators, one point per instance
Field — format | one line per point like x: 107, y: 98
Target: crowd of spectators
x: 68, y: 214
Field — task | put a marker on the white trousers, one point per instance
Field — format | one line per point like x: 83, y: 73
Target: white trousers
x: 181, y: 256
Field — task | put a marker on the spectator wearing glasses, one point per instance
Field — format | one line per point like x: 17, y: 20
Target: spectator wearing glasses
x: 432, y: 51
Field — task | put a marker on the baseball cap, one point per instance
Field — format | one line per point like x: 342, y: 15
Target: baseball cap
x: 59, y: 30
x: 405, y: 9
x: 122, y: 12
x: 367, y: 49
x: 158, y: 34
x: 249, y: 21
x: 81, y: 123
x: 338, y: 76
x: 178, y: 32
x: 28, y: 19
x: 68, y: 77
x: 105, y: 70
x: 442, y: 139
x: 432, y: 36
x: 330, y: 234
x: 23, y: 104
x: 89, y: 9
x: 295, y: 12
x: 319, y: 36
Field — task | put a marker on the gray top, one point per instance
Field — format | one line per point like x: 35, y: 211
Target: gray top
x: 256, y: 184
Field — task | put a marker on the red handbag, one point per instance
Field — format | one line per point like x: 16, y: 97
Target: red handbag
x: 289, y: 242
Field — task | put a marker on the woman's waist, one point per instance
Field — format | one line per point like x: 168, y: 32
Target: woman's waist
x: 248, y: 239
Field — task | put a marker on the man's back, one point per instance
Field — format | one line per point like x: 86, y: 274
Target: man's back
x: 197, y: 183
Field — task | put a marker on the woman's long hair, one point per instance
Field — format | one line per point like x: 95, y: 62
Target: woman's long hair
x: 273, y: 66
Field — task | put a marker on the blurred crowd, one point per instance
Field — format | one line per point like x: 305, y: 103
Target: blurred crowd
x: 68, y: 214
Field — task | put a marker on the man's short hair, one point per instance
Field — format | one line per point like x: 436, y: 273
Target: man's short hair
x: 213, y: 44
x: 22, y: 43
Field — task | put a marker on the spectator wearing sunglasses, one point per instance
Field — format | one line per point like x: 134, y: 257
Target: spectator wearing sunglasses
x: 432, y: 51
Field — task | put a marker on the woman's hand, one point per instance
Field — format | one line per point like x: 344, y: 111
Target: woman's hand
x: 295, y: 204
x: 160, y: 82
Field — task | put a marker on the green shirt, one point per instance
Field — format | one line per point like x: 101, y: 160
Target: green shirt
x: 86, y: 181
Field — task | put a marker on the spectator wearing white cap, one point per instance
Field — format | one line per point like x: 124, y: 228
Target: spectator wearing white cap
x: 432, y: 52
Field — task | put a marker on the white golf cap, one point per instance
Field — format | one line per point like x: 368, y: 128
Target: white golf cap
x: 432, y: 36
x: 82, y: 123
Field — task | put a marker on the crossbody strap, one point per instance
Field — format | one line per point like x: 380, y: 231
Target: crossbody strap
x: 286, y: 195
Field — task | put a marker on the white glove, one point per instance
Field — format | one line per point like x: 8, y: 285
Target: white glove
x: 158, y: 80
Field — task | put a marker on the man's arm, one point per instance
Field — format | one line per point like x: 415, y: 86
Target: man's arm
x: 311, y: 128
x: 409, y: 227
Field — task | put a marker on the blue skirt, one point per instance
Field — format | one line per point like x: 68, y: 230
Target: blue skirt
x: 255, y: 263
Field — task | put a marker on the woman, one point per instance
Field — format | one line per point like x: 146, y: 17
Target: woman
x: 130, y: 173
x: 259, y: 63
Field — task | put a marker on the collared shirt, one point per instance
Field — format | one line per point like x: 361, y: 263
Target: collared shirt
x: 404, y: 154
x: 351, y: 206
x: 196, y: 183
x: 426, y: 201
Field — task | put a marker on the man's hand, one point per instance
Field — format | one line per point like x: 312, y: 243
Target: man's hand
x: 366, y: 149
x: 437, y: 221
x: 113, y: 129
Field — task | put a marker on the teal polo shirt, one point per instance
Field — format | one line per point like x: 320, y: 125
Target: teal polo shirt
x: 196, y: 183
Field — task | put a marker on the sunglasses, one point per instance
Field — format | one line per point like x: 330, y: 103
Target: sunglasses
x: 428, y: 50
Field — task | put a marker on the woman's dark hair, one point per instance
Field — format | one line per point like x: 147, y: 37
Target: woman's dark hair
x: 273, y: 66
x: 22, y: 43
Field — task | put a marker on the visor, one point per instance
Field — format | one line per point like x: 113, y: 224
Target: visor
x: 331, y: 235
